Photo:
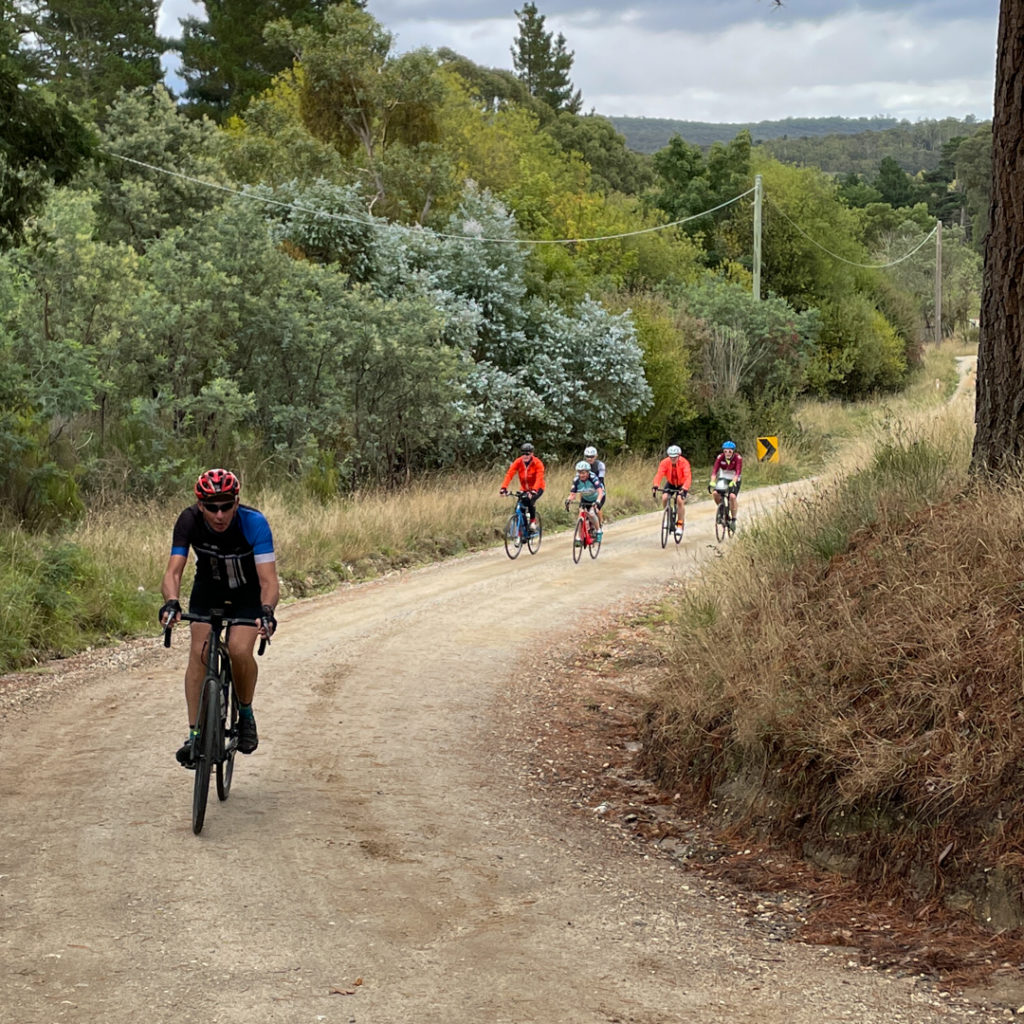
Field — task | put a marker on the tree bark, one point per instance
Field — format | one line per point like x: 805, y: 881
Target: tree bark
x: 999, y: 413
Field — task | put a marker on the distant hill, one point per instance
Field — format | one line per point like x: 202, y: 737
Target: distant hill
x: 649, y: 134
x: 838, y: 145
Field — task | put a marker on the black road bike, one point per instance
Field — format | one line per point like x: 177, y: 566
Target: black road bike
x: 214, y: 747
x: 725, y: 524
x: 670, y: 524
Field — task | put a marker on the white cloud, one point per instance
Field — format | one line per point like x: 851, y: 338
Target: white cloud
x: 730, y: 60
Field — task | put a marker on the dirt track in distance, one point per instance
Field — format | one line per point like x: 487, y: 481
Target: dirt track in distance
x: 379, y: 859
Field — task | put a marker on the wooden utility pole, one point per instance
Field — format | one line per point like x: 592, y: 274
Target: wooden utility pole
x: 938, y: 283
x: 757, y: 237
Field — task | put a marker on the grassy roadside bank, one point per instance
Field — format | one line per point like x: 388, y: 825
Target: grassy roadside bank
x: 853, y: 692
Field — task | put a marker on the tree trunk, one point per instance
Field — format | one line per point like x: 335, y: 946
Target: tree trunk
x: 999, y: 413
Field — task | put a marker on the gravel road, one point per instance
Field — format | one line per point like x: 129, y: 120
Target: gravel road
x: 379, y: 859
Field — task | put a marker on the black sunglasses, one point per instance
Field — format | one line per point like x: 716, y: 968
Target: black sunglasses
x: 218, y: 506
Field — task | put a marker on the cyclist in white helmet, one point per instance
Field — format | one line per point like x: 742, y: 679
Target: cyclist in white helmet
x: 675, y: 471
x: 590, y: 492
x: 597, y: 472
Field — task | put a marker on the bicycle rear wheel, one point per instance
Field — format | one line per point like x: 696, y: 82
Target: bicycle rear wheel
x: 513, y: 536
x: 209, y: 720
x: 533, y: 540
x: 577, y: 541
x: 667, y: 524
x: 227, y: 745
x: 721, y: 521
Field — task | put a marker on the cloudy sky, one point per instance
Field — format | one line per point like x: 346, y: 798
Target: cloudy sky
x: 731, y: 60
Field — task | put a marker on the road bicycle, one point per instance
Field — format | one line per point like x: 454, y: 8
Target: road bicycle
x: 725, y: 524
x: 217, y: 740
x: 518, y: 532
x: 583, y: 536
x: 671, y: 526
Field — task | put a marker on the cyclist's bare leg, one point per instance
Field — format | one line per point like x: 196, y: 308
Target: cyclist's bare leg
x: 196, y: 668
x: 680, y: 510
x: 732, y: 505
x: 244, y: 670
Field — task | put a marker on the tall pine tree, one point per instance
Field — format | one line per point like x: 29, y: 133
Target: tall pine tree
x: 543, y: 63
x: 42, y: 142
x: 88, y: 50
x: 225, y: 60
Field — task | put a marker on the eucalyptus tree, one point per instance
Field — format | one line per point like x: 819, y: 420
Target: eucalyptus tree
x: 360, y: 97
x: 974, y: 180
x: 158, y: 169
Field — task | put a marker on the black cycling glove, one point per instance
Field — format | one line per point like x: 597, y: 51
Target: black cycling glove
x: 169, y: 611
x: 269, y: 622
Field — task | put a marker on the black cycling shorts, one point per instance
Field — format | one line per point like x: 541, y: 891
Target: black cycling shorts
x: 243, y: 603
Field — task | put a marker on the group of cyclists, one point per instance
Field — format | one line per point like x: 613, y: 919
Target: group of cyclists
x: 236, y: 570
x: 588, y: 484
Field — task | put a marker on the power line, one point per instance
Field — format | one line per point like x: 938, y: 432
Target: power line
x: 378, y: 224
x: 245, y: 194
x: 843, y: 259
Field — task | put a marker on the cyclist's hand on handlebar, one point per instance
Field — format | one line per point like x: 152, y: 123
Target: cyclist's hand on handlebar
x: 711, y: 488
x: 683, y: 493
x: 169, y: 613
x: 654, y: 492
x: 567, y: 503
x: 269, y: 626
x: 503, y: 491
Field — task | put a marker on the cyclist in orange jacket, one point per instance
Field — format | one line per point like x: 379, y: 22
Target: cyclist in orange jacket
x: 675, y: 471
x: 531, y: 480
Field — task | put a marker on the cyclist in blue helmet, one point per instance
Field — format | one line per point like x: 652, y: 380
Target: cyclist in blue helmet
x: 728, y: 466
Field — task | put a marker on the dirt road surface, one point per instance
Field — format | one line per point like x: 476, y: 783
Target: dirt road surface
x: 379, y: 860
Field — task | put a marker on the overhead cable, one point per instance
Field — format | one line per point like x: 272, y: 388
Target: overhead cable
x: 245, y: 194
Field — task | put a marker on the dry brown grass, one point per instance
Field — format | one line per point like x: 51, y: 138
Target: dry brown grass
x: 859, y: 690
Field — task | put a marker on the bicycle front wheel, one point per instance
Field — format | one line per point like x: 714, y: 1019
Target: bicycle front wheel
x: 678, y: 529
x: 533, y: 541
x: 668, y: 524
x: 227, y: 744
x: 595, y: 545
x: 513, y: 536
x: 721, y: 521
x: 577, y: 541
x: 209, y: 720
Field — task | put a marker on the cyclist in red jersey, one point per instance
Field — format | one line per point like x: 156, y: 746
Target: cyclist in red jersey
x: 531, y: 480
x: 675, y: 471
x: 729, y: 466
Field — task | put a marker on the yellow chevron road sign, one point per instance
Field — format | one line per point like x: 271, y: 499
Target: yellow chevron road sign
x: 767, y: 449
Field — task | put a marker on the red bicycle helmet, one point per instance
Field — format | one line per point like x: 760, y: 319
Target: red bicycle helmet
x: 216, y: 483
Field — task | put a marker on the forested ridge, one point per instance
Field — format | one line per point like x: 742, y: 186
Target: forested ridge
x: 336, y: 264
x: 838, y: 145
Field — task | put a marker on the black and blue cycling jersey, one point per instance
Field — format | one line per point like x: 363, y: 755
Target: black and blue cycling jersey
x: 225, y: 561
